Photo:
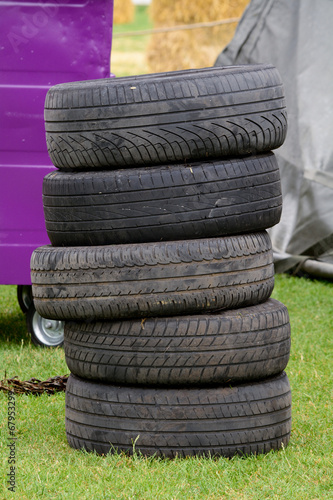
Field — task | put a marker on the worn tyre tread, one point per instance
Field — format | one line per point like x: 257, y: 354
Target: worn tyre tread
x: 152, y: 279
x: 243, y: 419
x: 158, y: 119
x: 198, y: 200
x: 229, y: 347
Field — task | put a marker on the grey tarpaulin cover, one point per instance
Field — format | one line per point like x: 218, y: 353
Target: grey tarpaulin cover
x: 296, y: 37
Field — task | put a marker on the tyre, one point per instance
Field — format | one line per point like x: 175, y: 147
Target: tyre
x: 165, y: 117
x: 175, y: 202
x: 24, y: 297
x: 228, y: 347
x: 44, y: 332
x: 246, y: 419
x: 152, y: 279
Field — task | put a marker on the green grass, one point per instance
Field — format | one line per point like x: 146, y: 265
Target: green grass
x: 128, y: 53
x: 47, y: 467
x: 18, y: 356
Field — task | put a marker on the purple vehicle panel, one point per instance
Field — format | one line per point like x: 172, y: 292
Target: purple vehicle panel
x: 42, y: 43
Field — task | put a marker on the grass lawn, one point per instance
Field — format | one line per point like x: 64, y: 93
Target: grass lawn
x: 47, y: 467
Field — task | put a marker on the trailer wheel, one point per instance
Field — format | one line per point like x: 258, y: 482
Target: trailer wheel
x: 24, y: 297
x: 44, y: 332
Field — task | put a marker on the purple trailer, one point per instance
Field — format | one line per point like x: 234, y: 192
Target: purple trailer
x: 42, y: 43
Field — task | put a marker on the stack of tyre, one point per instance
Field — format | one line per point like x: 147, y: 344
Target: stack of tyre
x: 160, y: 263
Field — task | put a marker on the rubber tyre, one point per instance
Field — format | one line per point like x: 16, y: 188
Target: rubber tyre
x: 152, y: 279
x: 175, y: 202
x: 229, y: 347
x: 24, y: 297
x: 165, y: 117
x: 252, y: 418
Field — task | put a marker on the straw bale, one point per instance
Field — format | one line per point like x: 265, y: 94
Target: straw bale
x: 191, y: 48
x: 164, y: 12
x: 123, y: 11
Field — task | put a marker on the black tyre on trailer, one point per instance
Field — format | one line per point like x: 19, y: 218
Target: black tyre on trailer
x: 232, y: 346
x: 184, y: 201
x: 152, y: 279
x: 43, y: 332
x: 244, y: 419
x: 165, y: 117
x: 24, y: 297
